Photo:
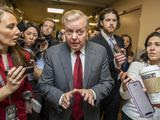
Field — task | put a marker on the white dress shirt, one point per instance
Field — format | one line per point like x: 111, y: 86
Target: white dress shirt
x: 74, y: 56
x: 73, y: 60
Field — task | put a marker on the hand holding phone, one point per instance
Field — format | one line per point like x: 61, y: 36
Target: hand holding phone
x: 120, y: 58
x: 117, y: 48
x: 125, y: 79
x: 140, y: 99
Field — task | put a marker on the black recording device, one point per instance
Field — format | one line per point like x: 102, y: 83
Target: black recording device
x: 29, y: 70
x: 118, y: 50
x: 41, y: 40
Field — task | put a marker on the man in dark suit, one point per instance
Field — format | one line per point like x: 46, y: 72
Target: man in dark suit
x: 76, y: 75
x: 108, y: 23
x: 47, y: 29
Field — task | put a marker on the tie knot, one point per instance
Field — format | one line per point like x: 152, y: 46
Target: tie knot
x: 78, y: 52
x: 110, y: 41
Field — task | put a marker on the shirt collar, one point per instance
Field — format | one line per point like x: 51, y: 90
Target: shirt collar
x: 105, y: 35
x: 82, y: 51
x: 108, y: 37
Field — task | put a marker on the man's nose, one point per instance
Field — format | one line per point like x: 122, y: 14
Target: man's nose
x: 47, y: 28
x: 74, y: 35
x: 111, y: 22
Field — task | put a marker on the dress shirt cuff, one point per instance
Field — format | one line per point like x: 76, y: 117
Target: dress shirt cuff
x: 60, y: 100
x: 94, y: 94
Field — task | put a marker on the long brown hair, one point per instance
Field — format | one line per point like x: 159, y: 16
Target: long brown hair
x: 129, y: 48
x: 17, y: 53
x: 144, y: 56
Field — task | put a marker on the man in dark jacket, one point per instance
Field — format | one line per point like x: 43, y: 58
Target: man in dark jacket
x: 108, y: 23
x: 47, y: 28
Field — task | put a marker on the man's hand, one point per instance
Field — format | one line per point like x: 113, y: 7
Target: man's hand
x: 87, y: 94
x: 120, y: 58
x: 65, y: 102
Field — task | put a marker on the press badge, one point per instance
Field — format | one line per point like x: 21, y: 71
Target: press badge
x: 11, y: 112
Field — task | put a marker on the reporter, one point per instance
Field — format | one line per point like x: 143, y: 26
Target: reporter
x: 150, y: 57
x: 13, y: 81
x: 31, y: 38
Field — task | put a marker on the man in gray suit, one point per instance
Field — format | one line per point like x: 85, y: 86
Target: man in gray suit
x: 76, y: 76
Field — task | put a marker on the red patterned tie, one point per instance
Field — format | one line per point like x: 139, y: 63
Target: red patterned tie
x: 77, y: 112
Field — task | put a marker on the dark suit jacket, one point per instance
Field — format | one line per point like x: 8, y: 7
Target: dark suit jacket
x: 101, y: 40
x: 51, y: 41
x: 57, y: 79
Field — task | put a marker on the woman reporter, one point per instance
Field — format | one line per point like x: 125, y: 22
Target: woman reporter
x: 128, y: 47
x: 13, y: 59
x: 148, y: 59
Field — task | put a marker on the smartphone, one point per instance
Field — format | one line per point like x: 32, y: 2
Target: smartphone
x: 117, y: 48
x: 141, y: 99
x: 29, y: 69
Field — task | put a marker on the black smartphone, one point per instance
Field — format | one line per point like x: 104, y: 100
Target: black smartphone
x: 29, y: 69
x: 141, y: 99
x: 117, y: 48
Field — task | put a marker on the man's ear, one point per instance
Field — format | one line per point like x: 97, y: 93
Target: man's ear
x: 101, y: 23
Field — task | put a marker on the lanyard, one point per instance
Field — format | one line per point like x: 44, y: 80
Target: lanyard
x: 3, y: 84
x: 1, y: 81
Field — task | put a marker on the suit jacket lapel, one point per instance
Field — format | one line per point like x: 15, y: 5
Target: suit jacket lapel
x: 65, y: 59
x: 89, y: 57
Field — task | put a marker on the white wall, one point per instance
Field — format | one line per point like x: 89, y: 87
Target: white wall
x: 130, y: 25
x: 149, y: 19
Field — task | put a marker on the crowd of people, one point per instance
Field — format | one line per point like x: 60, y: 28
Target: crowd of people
x: 74, y: 76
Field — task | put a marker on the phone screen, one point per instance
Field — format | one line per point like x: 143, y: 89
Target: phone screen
x: 140, y: 99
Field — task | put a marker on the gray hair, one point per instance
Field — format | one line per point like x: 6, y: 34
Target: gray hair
x: 74, y: 15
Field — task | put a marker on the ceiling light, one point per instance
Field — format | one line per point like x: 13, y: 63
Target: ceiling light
x: 55, y: 10
x: 56, y: 20
x: 92, y: 24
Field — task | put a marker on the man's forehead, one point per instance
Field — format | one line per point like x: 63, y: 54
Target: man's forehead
x: 48, y: 21
x: 110, y: 15
x: 79, y: 23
